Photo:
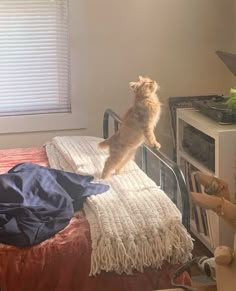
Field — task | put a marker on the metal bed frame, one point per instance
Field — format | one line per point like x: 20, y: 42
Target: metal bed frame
x: 165, y: 163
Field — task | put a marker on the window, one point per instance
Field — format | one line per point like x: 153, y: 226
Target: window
x: 34, y: 57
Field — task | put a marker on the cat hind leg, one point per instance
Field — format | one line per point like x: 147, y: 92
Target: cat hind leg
x: 111, y: 163
x: 120, y: 167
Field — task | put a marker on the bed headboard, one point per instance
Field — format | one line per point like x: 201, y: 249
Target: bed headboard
x: 165, y: 163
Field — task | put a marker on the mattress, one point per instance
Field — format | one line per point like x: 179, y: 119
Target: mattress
x: 62, y: 263
x: 10, y: 157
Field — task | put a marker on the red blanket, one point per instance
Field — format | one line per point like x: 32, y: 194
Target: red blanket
x: 62, y: 263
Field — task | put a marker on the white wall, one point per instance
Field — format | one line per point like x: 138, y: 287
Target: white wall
x: 171, y: 41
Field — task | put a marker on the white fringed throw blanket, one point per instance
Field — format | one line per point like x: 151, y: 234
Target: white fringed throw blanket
x: 134, y: 224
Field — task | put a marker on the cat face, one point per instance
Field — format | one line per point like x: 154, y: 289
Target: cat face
x: 144, y: 87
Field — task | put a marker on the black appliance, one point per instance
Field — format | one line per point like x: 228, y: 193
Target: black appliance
x: 200, y: 146
x: 216, y: 109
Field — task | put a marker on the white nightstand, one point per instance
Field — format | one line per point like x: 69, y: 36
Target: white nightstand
x: 220, y: 147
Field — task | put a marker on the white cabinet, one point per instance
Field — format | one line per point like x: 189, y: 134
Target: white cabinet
x: 223, y: 138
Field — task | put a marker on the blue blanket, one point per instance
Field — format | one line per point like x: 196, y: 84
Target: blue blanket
x: 36, y: 202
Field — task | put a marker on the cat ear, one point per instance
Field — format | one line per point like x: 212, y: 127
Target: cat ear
x: 133, y: 85
x: 140, y: 78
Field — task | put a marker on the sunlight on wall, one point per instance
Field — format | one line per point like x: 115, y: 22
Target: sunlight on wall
x: 171, y: 41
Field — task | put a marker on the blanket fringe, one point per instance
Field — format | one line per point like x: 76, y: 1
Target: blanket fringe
x: 127, y: 255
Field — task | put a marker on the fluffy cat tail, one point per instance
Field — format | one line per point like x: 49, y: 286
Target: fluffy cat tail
x: 105, y: 143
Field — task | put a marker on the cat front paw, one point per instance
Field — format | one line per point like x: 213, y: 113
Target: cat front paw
x: 157, y: 145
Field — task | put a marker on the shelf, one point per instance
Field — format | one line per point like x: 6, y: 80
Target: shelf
x: 224, y: 152
x: 195, y: 162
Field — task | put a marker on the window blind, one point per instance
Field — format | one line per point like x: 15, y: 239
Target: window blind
x: 34, y: 57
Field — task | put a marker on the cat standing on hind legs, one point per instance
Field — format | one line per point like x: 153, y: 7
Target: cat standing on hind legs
x: 137, y: 126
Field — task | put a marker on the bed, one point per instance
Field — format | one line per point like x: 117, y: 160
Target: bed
x: 75, y: 259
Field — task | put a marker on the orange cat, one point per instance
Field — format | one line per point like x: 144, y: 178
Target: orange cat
x: 137, y: 126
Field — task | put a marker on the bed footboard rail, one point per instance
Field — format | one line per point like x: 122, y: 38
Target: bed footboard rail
x: 165, y: 161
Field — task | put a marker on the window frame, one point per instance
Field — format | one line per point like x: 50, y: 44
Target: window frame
x: 75, y: 119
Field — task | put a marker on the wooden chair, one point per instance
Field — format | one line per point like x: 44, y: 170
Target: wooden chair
x: 218, y: 200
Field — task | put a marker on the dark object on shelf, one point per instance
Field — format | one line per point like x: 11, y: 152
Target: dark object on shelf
x: 200, y: 146
x: 217, y: 109
x: 229, y: 60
